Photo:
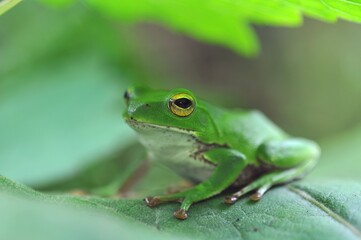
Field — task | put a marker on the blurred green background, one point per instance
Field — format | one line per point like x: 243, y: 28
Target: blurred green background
x: 63, y: 71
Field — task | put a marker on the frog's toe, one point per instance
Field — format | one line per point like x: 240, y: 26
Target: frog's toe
x: 260, y: 192
x: 152, y: 201
x: 157, y: 200
x: 181, y: 214
x: 256, y: 196
x: 230, y: 199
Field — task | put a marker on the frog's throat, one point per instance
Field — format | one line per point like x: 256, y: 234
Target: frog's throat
x: 178, y: 149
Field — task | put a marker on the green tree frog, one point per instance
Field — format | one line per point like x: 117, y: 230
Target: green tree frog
x: 214, y: 147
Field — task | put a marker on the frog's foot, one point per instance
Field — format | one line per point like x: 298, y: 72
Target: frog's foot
x: 260, y: 192
x: 157, y: 200
x: 254, y: 197
x: 152, y: 201
x: 230, y: 199
x: 181, y: 214
x: 184, y: 198
x: 261, y: 184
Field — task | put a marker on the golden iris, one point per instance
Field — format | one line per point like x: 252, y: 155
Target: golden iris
x: 181, y: 104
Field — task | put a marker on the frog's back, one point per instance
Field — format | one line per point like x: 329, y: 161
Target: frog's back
x: 246, y: 130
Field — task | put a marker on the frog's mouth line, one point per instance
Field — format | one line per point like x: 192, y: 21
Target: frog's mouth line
x: 138, y: 124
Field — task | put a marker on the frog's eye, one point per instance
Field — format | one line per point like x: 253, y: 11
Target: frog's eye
x: 181, y: 104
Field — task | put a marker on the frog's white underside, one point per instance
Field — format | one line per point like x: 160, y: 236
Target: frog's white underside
x: 175, y: 148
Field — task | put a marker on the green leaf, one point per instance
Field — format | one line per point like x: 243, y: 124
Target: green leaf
x: 203, y: 21
x: 349, y: 9
x: 308, y: 210
x: 6, y: 5
x: 23, y: 218
x: 314, y: 9
x: 61, y: 101
x: 228, y: 22
x: 70, y: 122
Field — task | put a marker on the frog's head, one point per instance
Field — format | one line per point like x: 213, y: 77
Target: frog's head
x: 176, y: 110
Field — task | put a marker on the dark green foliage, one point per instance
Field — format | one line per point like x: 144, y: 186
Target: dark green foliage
x: 310, y: 210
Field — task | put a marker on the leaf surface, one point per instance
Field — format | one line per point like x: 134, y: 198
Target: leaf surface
x: 308, y: 210
x: 6, y: 5
x: 61, y: 98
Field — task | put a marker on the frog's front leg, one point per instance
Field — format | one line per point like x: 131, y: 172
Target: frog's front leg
x: 229, y: 165
x: 294, y: 157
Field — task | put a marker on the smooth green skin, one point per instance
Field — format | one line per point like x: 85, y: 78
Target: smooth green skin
x: 236, y: 139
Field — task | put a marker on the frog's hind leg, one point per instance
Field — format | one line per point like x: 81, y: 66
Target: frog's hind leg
x: 265, y: 182
x: 296, y: 156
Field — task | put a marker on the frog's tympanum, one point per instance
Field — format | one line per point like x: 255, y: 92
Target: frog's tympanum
x: 214, y: 147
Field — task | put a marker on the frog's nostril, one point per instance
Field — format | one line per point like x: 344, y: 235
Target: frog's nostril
x: 126, y: 96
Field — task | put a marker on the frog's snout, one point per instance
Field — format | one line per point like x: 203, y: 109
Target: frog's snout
x: 133, y: 99
x: 132, y: 92
x: 130, y: 97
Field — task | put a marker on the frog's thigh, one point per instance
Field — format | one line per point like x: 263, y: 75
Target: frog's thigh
x: 296, y: 155
x: 288, y: 153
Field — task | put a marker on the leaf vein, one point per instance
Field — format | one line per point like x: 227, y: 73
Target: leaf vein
x: 306, y: 196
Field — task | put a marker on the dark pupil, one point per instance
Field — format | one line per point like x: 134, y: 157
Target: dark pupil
x: 183, y: 103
